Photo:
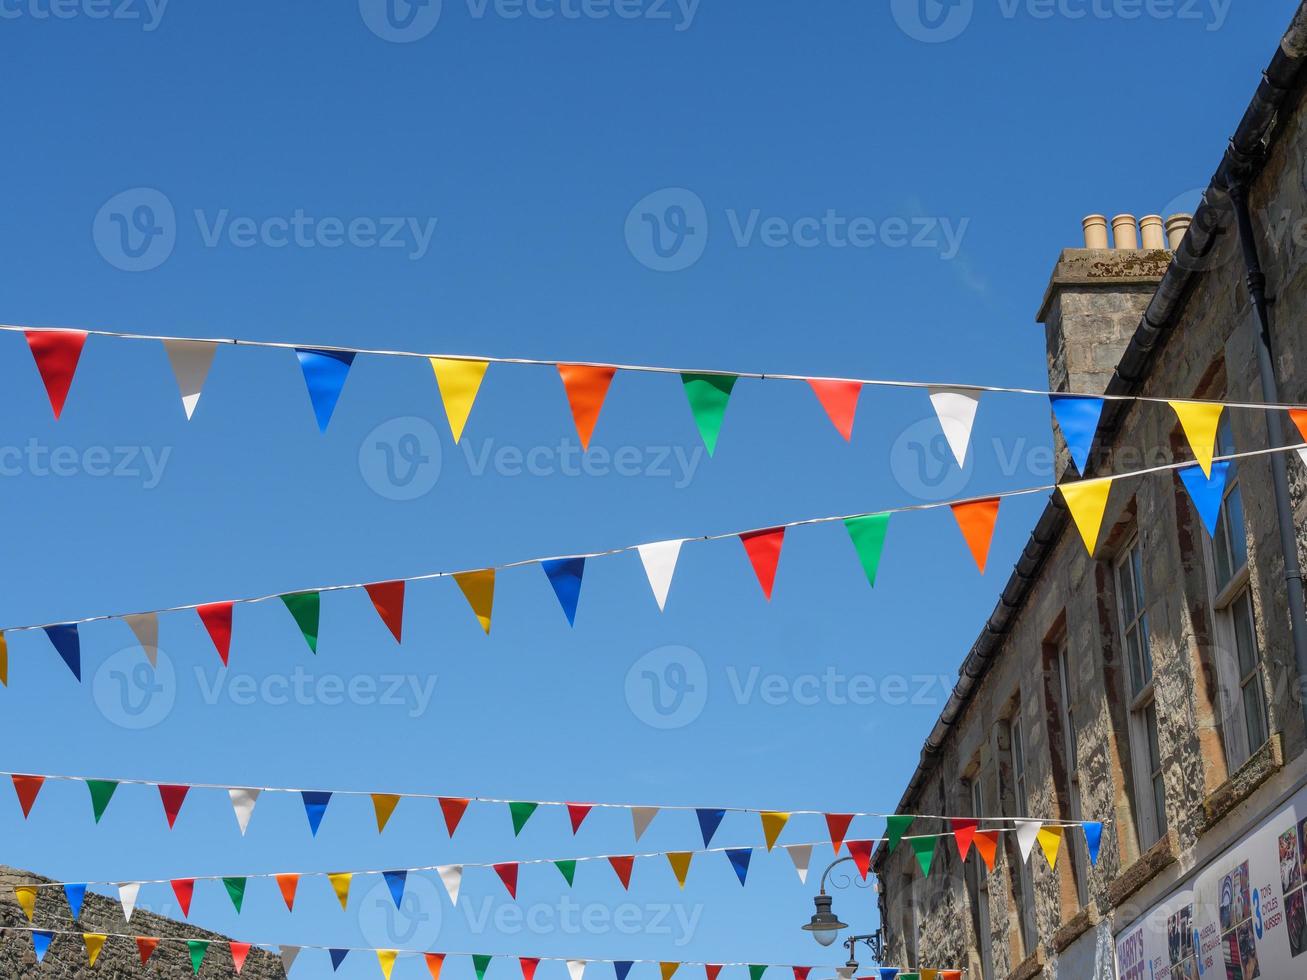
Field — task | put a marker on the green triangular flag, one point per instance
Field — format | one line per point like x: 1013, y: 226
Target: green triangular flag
x: 708, y: 394
x: 198, y: 948
x: 568, y: 868
x: 480, y: 961
x: 756, y: 970
x: 895, y: 827
x: 304, y: 606
x: 868, y: 534
x: 236, y: 889
x: 924, y: 847
x: 101, y: 792
x: 521, y: 814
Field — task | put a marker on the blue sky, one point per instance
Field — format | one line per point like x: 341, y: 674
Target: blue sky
x: 499, y: 158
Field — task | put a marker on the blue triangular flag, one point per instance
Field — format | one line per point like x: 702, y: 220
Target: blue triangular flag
x: 621, y: 968
x: 337, y: 957
x: 65, y: 640
x: 395, y: 880
x: 1078, y: 419
x: 75, y: 894
x: 1206, y: 494
x: 709, y: 821
x: 1093, y: 838
x: 324, y: 373
x: 888, y: 972
x: 41, y: 942
x: 565, y: 576
x: 740, y: 861
x: 315, y: 805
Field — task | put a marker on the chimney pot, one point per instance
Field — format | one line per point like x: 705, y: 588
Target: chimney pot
x: 1176, y: 227
x: 1125, y: 234
x: 1095, y: 226
x: 1152, y: 231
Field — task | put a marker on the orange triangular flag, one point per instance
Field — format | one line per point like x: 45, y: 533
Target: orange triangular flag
x: 586, y: 386
x: 623, y: 864
x: 1299, y: 417
x: 986, y: 844
x: 145, y: 945
x: 838, y: 825
x: 288, y: 884
x: 384, y: 804
x: 434, y: 962
x: 976, y: 518
x: 964, y: 831
x: 453, y: 807
x: 479, y: 590
x: 840, y: 399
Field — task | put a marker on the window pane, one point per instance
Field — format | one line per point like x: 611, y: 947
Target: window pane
x: 1238, y: 536
x: 1145, y: 647
x: 1245, y: 637
x: 1154, y: 752
x: 1137, y: 574
x: 1159, y: 804
x: 1137, y: 679
x: 1127, y: 589
x: 1254, y: 709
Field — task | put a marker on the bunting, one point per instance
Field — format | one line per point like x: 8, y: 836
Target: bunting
x: 56, y: 353
x: 239, y: 953
x: 101, y: 791
x: 521, y: 813
x: 1027, y: 834
x: 305, y: 608
x: 709, y: 821
x: 739, y: 858
x: 641, y: 817
x: 1093, y: 839
x: 986, y: 845
x: 586, y: 387
x: 315, y: 807
x: 1050, y: 839
x: 964, y: 831
x: 976, y: 520
x: 383, y: 805
x: 395, y: 882
x: 235, y: 891
x: 288, y: 885
x: 1200, y: 422
x: 451, y: 876
x: 956, y: 410
x: 838, y: 825
x: 1087, y: 502
x: 577, y: 812
x: 325, y: 372
x: 478, y: 589
x: 94, y: 943
x: 507, y: 872
x: 924, y: 849
x: 75, y: 893
x: 708, y: 395
x: 860, y: 851
x: 773, y: 822
x: 567, y: 868
x: 388, y: 600
x: 680, y: 862
x: 659, y: 560
x: 145, y: 627
x: 190, y: 360
x: 565, y: 576
x: 764, y: 551
x: 868, y: 536
x: 1207, y: 491
x: 127, y: 894
x: 1078, y: 419
x: 172, y: 798
x: 386, y: 961
x: 197, y: 949
x: 458, y: 381
x: 242, y: 804
x: 145, y: 946
x: 452, y: 808
x: 68, y: 645
x: 340, y: 883
x: 184, y: 889
x: 840, y: 400
x: 895, y: 827
x: 27, y: 787
x: 216, y: 617
x: 623, y: 864
x: 801, y: 855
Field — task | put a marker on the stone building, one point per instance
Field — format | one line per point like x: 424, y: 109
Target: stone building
x: 1154, y: 686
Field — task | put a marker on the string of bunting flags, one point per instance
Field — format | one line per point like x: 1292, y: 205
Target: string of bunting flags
x: 976, y: 517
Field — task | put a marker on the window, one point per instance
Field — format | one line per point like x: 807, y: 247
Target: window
x: 1150, y: 789
x: 1077, y: 862
x: 1025, y: 896
x: 978, y: 885
x: 911, y: 919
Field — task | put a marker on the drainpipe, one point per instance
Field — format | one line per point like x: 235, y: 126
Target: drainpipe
x: 1238, y: 188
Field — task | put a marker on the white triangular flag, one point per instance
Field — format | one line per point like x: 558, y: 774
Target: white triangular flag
x: 451, y: 876
x: 801, y: 855
x: 1302, y: 454
x: 288, y: 954
x: 659, y: 561
x: 641, y: 816
x: 190, y: 364
x: 956, y: 410
x: 146, y: 628
x: 1027, y: 834
x: 127, y: 895
x: 576, y: 969
x: 242, y: 801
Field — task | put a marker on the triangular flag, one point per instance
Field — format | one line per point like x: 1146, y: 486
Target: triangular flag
x: 1087, y: 501
x: 26, y: 896
x: 127, y: 898
x: 434, y: 962
x: 306, y: 608
x: 565, y: 576
x: 801, y: 855
x: 567, y: 868
x: 575, y: 969
x: 1027, y: 834
x: 1050, y: 840
x: 453, y: 808
x: 964, y: 831
x: 172, y: 798
x: 479, y: 590
x: 623, y: 864
x: 801, y: 972
x: 840, y: 399
x: 41, y: 940
x: 739, y: 858
x: 1200, y: 421
x: 315, y: 805
x: 1078, y: 419
x: 288, y: 884
x: 756, y: 970
x: 868, y: 534
x: 395, y: 881
x: 340, y: 885
x: 27, y: 787
x: 337, y: 958
x: 860, y: 851
x: 451, y: 876
x: 325, y: 372
x: 764, y: 549
x: 956, y: 410
x: 986, y: 844
x: 621, y: 968
x: 145, y: 945
x: 976, y: 519
x: 479, y: 963
x: 1093, y: 839
x: 710, y: 970
x: 529, y: 964
x: 924, y: 848
x: 668, y: 969
x: 1207, y: 492
x: 458, y: 381
x: 145, y: 626
x: 68, y: 645
x: 216, y: 617
x: 1299, y: 418
x: 388, y: 600
x: 507, y: 872
x: 239, y: 952
x: 94, y: 943
x: 56, y: 353
x: 895, y: 827
x: 773, y: 822
x: 4, y: 660
x: 288, y: 955
x: 521, y: 813
x: 197, y: 947
x: 709, y: 821
x: 386, y: 961
x: 641, y: 817
x: 928, y: 975
x: 888, y: 972
x: 659, y: 560
x: 577, y: 812
x: 680, y: 862
x: 184, y: 889
x: 586, y: 386
x: 191, y: 360
x: 838, y: 825
x: 235, y: 891
x: 242, y: 803
x: 383, y: 805
x: 75, y: 894
x: 101, y: 793
x: 708, y: 395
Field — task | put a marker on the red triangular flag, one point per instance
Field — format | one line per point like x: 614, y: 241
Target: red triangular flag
x: 840, y: 399
x: 452, y: 807
x: 801, y: 972
x: 238, y: 953
x: 838, y: 824
x: 963, y: 832
x: 145, y: 945
x: 578, y: 812
x: 216, y: 617
x: 172, y: 797
x: 388, y: 599
x: 56, y: 353
x: 529, y: 964
x: 183, y: 888
x: 711, y: 970
x: 764, y: 548
x: 288, y: 884
x: 27, y: 787
x: 623, y: 865
x: 587, y: 387
x: 860, y: 850
x: 508, y: 875
x: 976, y: 519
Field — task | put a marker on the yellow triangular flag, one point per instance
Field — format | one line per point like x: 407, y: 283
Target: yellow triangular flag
x: 773, y: 822
x: 1050, y: 839
x: 929, y: 974
x: 94, y: 943
x: 479, y: 590
x: 668, y: 969
x: 386, y: 959
x: 340, y: 882
x: 458, y: 381
x: 26, y: 899
x: 1087, y: 501
x: 1200, y: 421
x: 680, y: 862
x: 4, y: 660
x: 384, y: 804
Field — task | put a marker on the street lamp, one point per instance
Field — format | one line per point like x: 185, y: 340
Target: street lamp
x: 825, y: 925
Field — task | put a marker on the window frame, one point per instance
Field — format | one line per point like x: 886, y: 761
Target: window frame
x: 1026, y: 913
x: 1071, y: 746
x: 978, y: 882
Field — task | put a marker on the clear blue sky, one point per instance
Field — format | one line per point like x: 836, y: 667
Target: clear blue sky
x: 530, y: 140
